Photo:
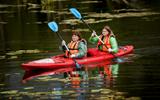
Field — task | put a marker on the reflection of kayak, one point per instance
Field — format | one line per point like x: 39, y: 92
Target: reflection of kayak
x: 70, y: 73
x: 59, y: 61
x: 33, y: 74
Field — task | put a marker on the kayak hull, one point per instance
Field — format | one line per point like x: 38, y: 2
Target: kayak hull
x: 59, y: 61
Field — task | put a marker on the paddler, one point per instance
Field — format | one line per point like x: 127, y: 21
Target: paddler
x: 106, y: 41
x: 77, y: 46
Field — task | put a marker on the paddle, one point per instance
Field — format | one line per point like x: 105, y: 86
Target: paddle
x: 77, y: 14
x: 54, y: 27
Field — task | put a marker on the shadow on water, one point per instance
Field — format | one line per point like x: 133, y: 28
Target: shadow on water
x: 24, y: 36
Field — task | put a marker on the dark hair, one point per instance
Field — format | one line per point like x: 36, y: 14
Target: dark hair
x: 108, y: 29
x: 77, y: 34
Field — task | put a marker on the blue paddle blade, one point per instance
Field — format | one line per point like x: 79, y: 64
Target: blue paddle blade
x: 78, y: 66
x: 76, y: 13
x: 118, y: 60
x: 53, y: 26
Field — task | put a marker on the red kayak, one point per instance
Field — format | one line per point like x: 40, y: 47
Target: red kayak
x: 60, y: 61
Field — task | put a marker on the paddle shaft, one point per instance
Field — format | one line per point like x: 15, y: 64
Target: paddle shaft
x: 97, y: 36
x: 60, y: 37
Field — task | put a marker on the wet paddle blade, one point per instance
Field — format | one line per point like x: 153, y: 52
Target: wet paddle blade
x: 78, y: 66
x: 53, y: 26
x: 76, y: 13
x: 118, y: 60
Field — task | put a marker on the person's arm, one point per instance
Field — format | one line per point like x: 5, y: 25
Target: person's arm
x: 114, y: 45
x: 82, y: 50
x: 93, y: 40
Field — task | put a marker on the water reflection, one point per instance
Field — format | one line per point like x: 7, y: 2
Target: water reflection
x: 97, y: 78
x: 78, y: 82
x: 29, y: 75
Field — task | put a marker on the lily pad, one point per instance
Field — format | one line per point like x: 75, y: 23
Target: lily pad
x: 29, y: 88
x: 9, y: 92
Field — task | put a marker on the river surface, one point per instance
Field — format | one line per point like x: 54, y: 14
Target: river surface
x: 25, y: 36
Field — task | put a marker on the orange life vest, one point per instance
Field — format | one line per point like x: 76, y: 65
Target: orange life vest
x: 73, y: 47
x: 106, y: 40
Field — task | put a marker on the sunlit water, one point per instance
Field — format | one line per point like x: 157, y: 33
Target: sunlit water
x: 25, y: 36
